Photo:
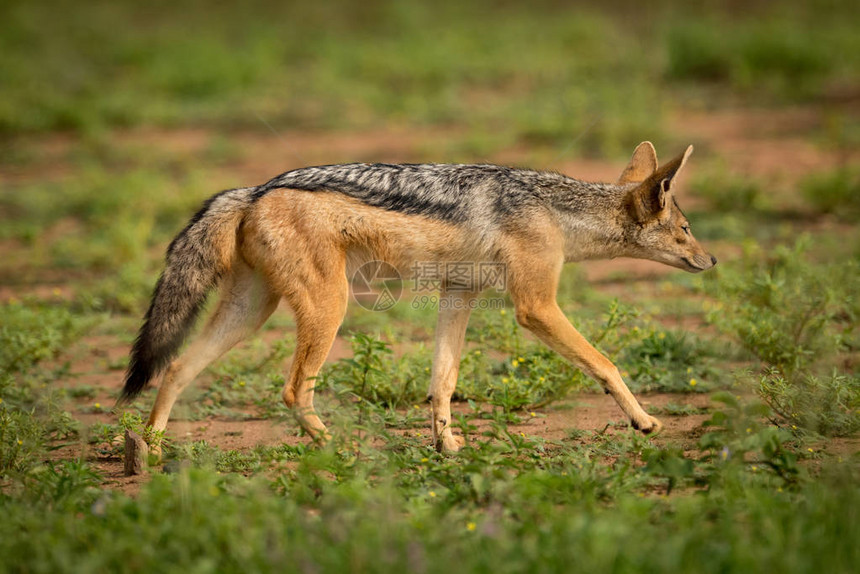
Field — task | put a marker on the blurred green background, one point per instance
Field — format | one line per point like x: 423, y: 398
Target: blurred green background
x: 535, y: 73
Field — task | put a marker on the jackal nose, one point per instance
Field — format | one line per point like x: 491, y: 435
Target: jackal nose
x: 713, y: 260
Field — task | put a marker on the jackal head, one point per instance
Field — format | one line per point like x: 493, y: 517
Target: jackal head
x: 655, y: 228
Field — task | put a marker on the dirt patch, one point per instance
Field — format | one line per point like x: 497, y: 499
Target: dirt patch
x: 599, y: 412
x: 564, y: 421
x: 559, y: 422
x: 767, y: 143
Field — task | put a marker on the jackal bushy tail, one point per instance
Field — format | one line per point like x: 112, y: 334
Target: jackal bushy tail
x: 196, y: 260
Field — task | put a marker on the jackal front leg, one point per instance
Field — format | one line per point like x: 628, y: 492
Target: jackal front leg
x: 551, y: 326
x: 454, y: 311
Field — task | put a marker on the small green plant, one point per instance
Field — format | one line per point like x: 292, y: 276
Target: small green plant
x: 742, y: 437
x: 204, y: 455
x: 665, y: 360
x: 65, y: 487
x: 828, y: 405
x: 794, y: 316
x: 669, y: 463
x: 21, y: 437
x: 32, y: 333
x: 132, y: 421
x: 373, y: 373
x: 82, y: 392
x: 780, y: 307
x: 534, y: 378
x: 836, y: 192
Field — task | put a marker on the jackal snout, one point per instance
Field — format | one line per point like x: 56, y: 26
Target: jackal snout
x: 692, y: 255
x: 671, y: 241
x: 700, y: 262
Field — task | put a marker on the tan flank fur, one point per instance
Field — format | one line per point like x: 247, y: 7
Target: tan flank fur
x: 298, y: 237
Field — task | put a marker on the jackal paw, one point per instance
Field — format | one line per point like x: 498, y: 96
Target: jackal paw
x: 321, y: 438
x: 650, y: 426
x: 449, y: 444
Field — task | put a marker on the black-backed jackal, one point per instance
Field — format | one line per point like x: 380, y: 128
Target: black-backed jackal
x: 293, y: 237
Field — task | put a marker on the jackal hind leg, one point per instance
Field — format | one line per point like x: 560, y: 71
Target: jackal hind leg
x: 319, y: 306
x: 537, y: 311
x: 454, y: 312
x: 245, y: 304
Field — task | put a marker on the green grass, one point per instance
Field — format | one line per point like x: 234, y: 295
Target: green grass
x: 381, y: 64
x: 541, y: 75
x: 800, y: 319
x: 32, y: 333
x: 506, y: 504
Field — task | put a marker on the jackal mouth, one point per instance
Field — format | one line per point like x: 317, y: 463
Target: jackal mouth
x: 692, y: 267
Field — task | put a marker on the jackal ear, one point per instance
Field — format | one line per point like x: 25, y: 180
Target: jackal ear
x: 642, y: 164
x: 651, y: 197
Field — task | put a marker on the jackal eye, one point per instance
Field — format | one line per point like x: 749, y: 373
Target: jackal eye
x: 686, y: 229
